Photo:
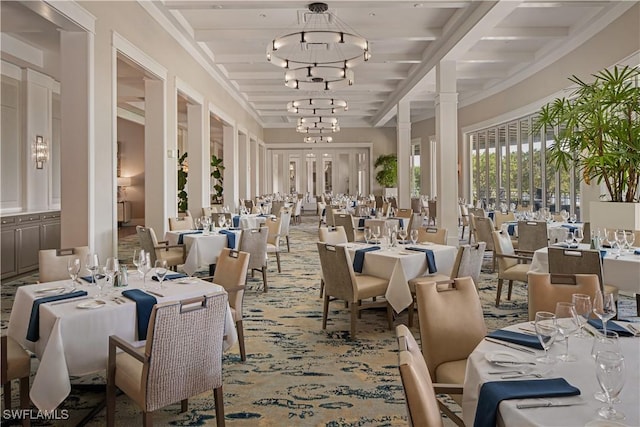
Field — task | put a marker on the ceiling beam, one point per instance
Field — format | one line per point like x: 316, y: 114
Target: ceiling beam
x: 250, y: 35
x: 385, y: 58
x: 479, y: 57
x: 522, y: 33
x: 296, y: 4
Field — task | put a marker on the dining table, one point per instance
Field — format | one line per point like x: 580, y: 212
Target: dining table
x: 72, y: 337
x: 202, y: 249
x: 619, y: 269
x: 483, y: 366
x: 401, y: 264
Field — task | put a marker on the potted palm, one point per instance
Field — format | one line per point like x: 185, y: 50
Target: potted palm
x: 597, y: 130
x: 387, y: 176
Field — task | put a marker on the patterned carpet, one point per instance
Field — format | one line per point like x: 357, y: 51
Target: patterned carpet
x: 296, y: 374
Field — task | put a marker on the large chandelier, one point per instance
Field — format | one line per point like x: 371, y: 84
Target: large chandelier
x: 321, y: 55
x: 317, y: 106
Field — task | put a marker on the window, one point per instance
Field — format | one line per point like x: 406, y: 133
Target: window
x: 414, y: 164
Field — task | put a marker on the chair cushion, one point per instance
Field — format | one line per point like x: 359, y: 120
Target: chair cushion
x: 370, y: 286
x: 129, y: 376
x: 610, y: 289
x: 18, y: 360
x: 452, y: 373
x: 426, y: 279
x: 517, y: 272
x: 271, y: 248
x: 173, y: 256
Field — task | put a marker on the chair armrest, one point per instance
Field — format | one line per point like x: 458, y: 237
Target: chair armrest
x: 520, y: 251
x: 169, y: 246
x: 164, y: 242
x: 443, y: 388
x: 519, y: 257
x: 117, y: 342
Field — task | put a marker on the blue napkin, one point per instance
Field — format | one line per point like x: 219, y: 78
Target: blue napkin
x: 637, y: 252
x: 611, y: 326
x: 90, y: 279
x: 231, y: 238
x: 373, y: 212
x: 236, y: 221
x: 565, y: 245
x: 170, y: 276
x: 33, y: 331
x: 491, y: 215
x: 358, y: 258
x: 493, y: 392
x: 517, y: 338
x: 571, y: 228
x: 181, y: 236
x: 361, y: 223
x: 431, y: 259
x: 324, y: 212
x: 511, y: 229
x: 144, y: 305
x: 263, y: 215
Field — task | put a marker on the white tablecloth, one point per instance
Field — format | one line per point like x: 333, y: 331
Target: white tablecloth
x: 580, y: 374
x: 622, y: 272
x: 74, y: 341
x: 400, y: 266
x: 201, y: 250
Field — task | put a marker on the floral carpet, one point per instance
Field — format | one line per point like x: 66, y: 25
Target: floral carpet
x: 296, y: 374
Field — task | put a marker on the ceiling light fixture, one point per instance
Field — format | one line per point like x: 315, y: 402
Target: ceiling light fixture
x: 314, y: 106
x: 316, y: 139
x: 314, y: 130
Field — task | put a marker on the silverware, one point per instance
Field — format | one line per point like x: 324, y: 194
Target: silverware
x: 70, y: 300
x: 507, y: 372
x: 633, y: 329
x: 515, y: 347
x: 512, y: 362
x: 155, y: 293
x: 546, y: 405
x: 507, y: 377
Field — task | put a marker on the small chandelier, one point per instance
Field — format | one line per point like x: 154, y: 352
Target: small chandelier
x: 40, y: 152
x: 317, y: 123
x: 315, y: 106
x: 321, y: 55
x: 316, y: 139
x: 313, y: 130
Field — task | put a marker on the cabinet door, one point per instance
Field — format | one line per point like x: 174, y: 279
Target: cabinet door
x: 28, y: 244
x: 9, y: 265
x: 50, y: 235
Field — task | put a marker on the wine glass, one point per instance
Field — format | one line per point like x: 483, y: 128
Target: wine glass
x: 582, y: 304
x: 73, y: 267
x: 546, y: 330
x: 569, y: 239
x: 161, y: 270
x: 197, y: 223
x: 414, y: 236
x: 375, y: 232
x: 578, y: 235
x: 630, y: 238
x: 100, y: 280
x: 610, y: 373
x: 367, y: 234
x: 402, y: 233
x: 221, y: 221
x: 567, y: 322
x: 604, y: 307
x: 92, y: 263
x: 604, y: 342
x: 145, y: 267
x: 111, y: 268
x: 620, y: 240
x: 565, y: 215
x: 136, y: 258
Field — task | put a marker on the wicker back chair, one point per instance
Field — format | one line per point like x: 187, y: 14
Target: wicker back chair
x: 53, y: 262
x: 346, y: 221
x: 254, y: 241
x: 182, y: 358
x: 576, y: 261
x: 483, y: 227
x: 16, y: 365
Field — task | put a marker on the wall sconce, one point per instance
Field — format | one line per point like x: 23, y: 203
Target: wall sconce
x: 40, y: 152
x: 123, y: 183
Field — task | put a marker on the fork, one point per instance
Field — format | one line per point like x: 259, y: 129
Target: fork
x: 506, y: 377
x: 519, y: 372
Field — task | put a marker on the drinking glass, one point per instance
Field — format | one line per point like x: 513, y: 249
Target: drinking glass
x: 610, y: 237
x: 161, y: 270
x: 375, y: 232
x: 111, y: 268
x: 145, y: 267
x: 73, y: 267
x: 569, y: 239
x: 221, y: 221
x: 92, y: 263
x: 567, y: 322
x: 610, y: 374
x: 101, y: 280
x: 197, y: 223
x: 630, y: 238
x: 604, y: 307
x: 565, y: 215
x: 546, y: 330
x: 136, y: 258
x: 582, y: 304
x: 604, y: 342
x: 620, y: 240
x: 573, y: 218
x: 414, y: 236
x: 578, y: 235
x: 402, y: 233
x: 367, y: 234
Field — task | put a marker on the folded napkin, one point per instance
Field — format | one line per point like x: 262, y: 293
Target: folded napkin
x: 491, y: 215
x: 236, y: 221
x: 637, y: 252
x: 33, y: 331
x: 170, y: 276
x: 144, y: 305
x: 181, y: 236
x: 517, y: 338
x: 431, y: 259
x: 571, y: 228
x: 358, y: 258
x: 324, y: 212
x: 263, y: 215
x: 90, y: 279
x: 611, y: 326
x: 564, y: 245
x: 511, y: 229
x: 361, y: 223
x: 493, y: 392
x: 231, y: 238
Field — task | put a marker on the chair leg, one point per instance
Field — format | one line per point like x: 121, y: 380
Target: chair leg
x: 355, y: 311
x: 278, y: 261
x: 264, y: 278
x: 493, y: 255
x: 288, y: 247
x: 184, y: 405
x: 239, y: 328
x: 509, y: 292
x: 411, y: 310
x: 111, y: 395
x: 147, y: 419
x: 25, y: 403
x: 462, y: 237
x: 321, y: 287
x: 390, y: 316
x: 325, y: 311
x: 7, y: 395
x: 219, y: 402
x: 499, y: 292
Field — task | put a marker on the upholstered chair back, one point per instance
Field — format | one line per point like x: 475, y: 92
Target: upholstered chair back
x: 254, y: 242
x: 332, y: 235
x: 500, y: 218
x: 532, y: 235
x: 285, y: 221
x: 503, y: 246
x: 337, y: 272
x: 345, y: 221
x: 469, y: 261
x: 433, y: 235
x: 483, y: 228
x: 148, y: 241
x: 53, y: 262
x: 546, y: 290
x: 231, y: 274
x: 181, y: 223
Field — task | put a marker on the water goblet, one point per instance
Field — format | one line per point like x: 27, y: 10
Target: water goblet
x: 620, y: 240
x: 610, y: 372
x: 92, y: 263
x: 161, y: 271
x: 565, y: 215
x: 197, y: 223
x: 630, y: 238
x: 546, y: 330
x: 604, y: 342
x: 221, y: 221
x: 582, y: 304
x: 604, y: 307
x: 375, y: 232
x: 567, y: 322
x: 578, y: 235
x: 101, y: 279
x: 414, y: 236
x: 111, y: 268
x: 136, y: 258
x: 569, y: 239
x: 73, y: 267
x: 367, y: 234
x: 145, y: 267
x: 402, y: 233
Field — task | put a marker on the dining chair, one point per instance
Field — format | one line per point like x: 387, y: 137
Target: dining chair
x: 332, y: 236
x: 276, y: 205
x: 432, y: 211
x: 500, y: 218
x: 407, y: 214
x: 330, y: 210
x: 254, y: 241
x: 215, y: 216
x: 182, y: 358
x: 297, y: 212
x: 207, y: 211
x: 285, y: 222
x: 248, y: 204
x: 16, y: 365
x: 532, y: 235
x: 231, y: 274
x: 181, y: 223
x: 273, y: 242
x: 464, y: 220
x: 346, y: 221
x: 545, y: 290
x: 175, y: 255
x: 451, y: 326
x: 341, y: 283
x: 483, y: 227
x: 423, y: 406
x: 510, y: 265
x: 473, y: 214
x: 433, y: 235
x: 322, y: 213
x: 53, y: 262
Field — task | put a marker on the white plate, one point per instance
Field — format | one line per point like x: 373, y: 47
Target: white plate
x: 92, y: 304
x: 403, y: 253
x: 426, y: 243
x: 186, y: 280
x: 496, y: 357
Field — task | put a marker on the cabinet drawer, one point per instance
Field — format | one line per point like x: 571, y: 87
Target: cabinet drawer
x: 28, y: 218
x: 50, y: 216
x: 9, y: 220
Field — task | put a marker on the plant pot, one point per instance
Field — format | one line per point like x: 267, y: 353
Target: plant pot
x: 614, y: 215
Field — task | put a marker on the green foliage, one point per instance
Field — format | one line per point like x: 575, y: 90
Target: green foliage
x: 183, y: 198
x: 217, y: 169
x: 597, y: 130
x: 388, y: 175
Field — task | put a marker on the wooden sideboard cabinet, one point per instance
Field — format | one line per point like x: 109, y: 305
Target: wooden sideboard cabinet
x: 23, y: 236
x: 124, y: 212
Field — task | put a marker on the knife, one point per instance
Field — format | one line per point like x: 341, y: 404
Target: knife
x: 546, y: 405
x: 512, y: 362
x: 515, y: 347
x: 155, y: 293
